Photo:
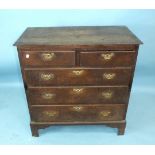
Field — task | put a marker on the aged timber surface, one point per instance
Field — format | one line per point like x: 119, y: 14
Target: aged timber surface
x: 82, y: 35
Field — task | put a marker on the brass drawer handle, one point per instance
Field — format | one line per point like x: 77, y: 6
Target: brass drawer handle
x: 48, y: 56
x: 78, y: 91
x: 105, y: 113
x: 107, y: 56
x: 109, y: 76
x: 47, y: 77
x: 48, y: 96
x: 107, y: 94
x: 78, y: 73
x: 51, y: 113
x: 78, y: 108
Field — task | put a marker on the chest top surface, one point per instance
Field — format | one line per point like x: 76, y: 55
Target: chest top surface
x: 82, y: 35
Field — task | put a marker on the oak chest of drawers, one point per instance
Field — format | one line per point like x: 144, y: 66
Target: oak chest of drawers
x: 78, y: 75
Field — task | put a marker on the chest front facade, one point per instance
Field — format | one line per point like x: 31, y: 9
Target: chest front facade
x: 84, y: 84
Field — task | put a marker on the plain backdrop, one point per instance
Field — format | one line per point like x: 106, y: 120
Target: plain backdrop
x: 14, y: 117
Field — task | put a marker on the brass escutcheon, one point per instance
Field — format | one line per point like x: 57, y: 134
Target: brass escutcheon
x: 51, y: 113
x: 109, y: 76
x: 78, y: 108
x: 107, y: 94
x: 48, y: 96
x: 48, y: 56
x: 78, y: 91
x: 78, y: 73
x: 105, y: 113
x: 107, y: 56
x: 47, y: 77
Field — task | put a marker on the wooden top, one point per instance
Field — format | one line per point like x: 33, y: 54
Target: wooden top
x: 83, y: 35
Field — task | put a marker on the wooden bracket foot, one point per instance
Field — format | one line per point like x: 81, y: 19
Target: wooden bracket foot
x: 121, y: 128
x: 34, y: 130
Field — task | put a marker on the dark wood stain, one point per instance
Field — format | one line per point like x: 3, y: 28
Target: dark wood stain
x: 67, y: 77
x: 95, y: 35
x: 100, y: 58
x: 36, y: 59
x: 89, y: 113
x: 78, y: 75
x: 87, y: 95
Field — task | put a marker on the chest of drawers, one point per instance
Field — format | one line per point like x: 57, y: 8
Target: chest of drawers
x: 78, y: 75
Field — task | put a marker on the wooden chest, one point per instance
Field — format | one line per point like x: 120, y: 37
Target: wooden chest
x: 78, y: 75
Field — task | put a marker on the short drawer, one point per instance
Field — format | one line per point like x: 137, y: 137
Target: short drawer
x: 78, y: 113
x: 47, y: 59
x: 77, y: 95
x: 66, y: 77
x: 107, y: 58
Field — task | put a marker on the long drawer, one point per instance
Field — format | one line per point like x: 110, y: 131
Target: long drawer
x: 77, y: 95
x: 77, y: 76
x: 78, y: 113
x: 107, y: 58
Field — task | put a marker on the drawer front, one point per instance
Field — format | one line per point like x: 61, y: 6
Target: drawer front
x: 107, y: 59
x: 51, y: 77
x: 78, y: 113
x: 47, y: 59
x: 80, y: 95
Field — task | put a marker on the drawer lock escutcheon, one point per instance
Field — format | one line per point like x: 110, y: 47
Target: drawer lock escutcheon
x: 105, y: 113
x: 107, y: 56
x: 48, y: 96
x: 51, y: 113
x: 47, y: 77
x: 109, y: 76
x: 48, y: 56
x: 77, y: 91
x: 107, y: 94
x: 77, y: 108
x: 78, y: 73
